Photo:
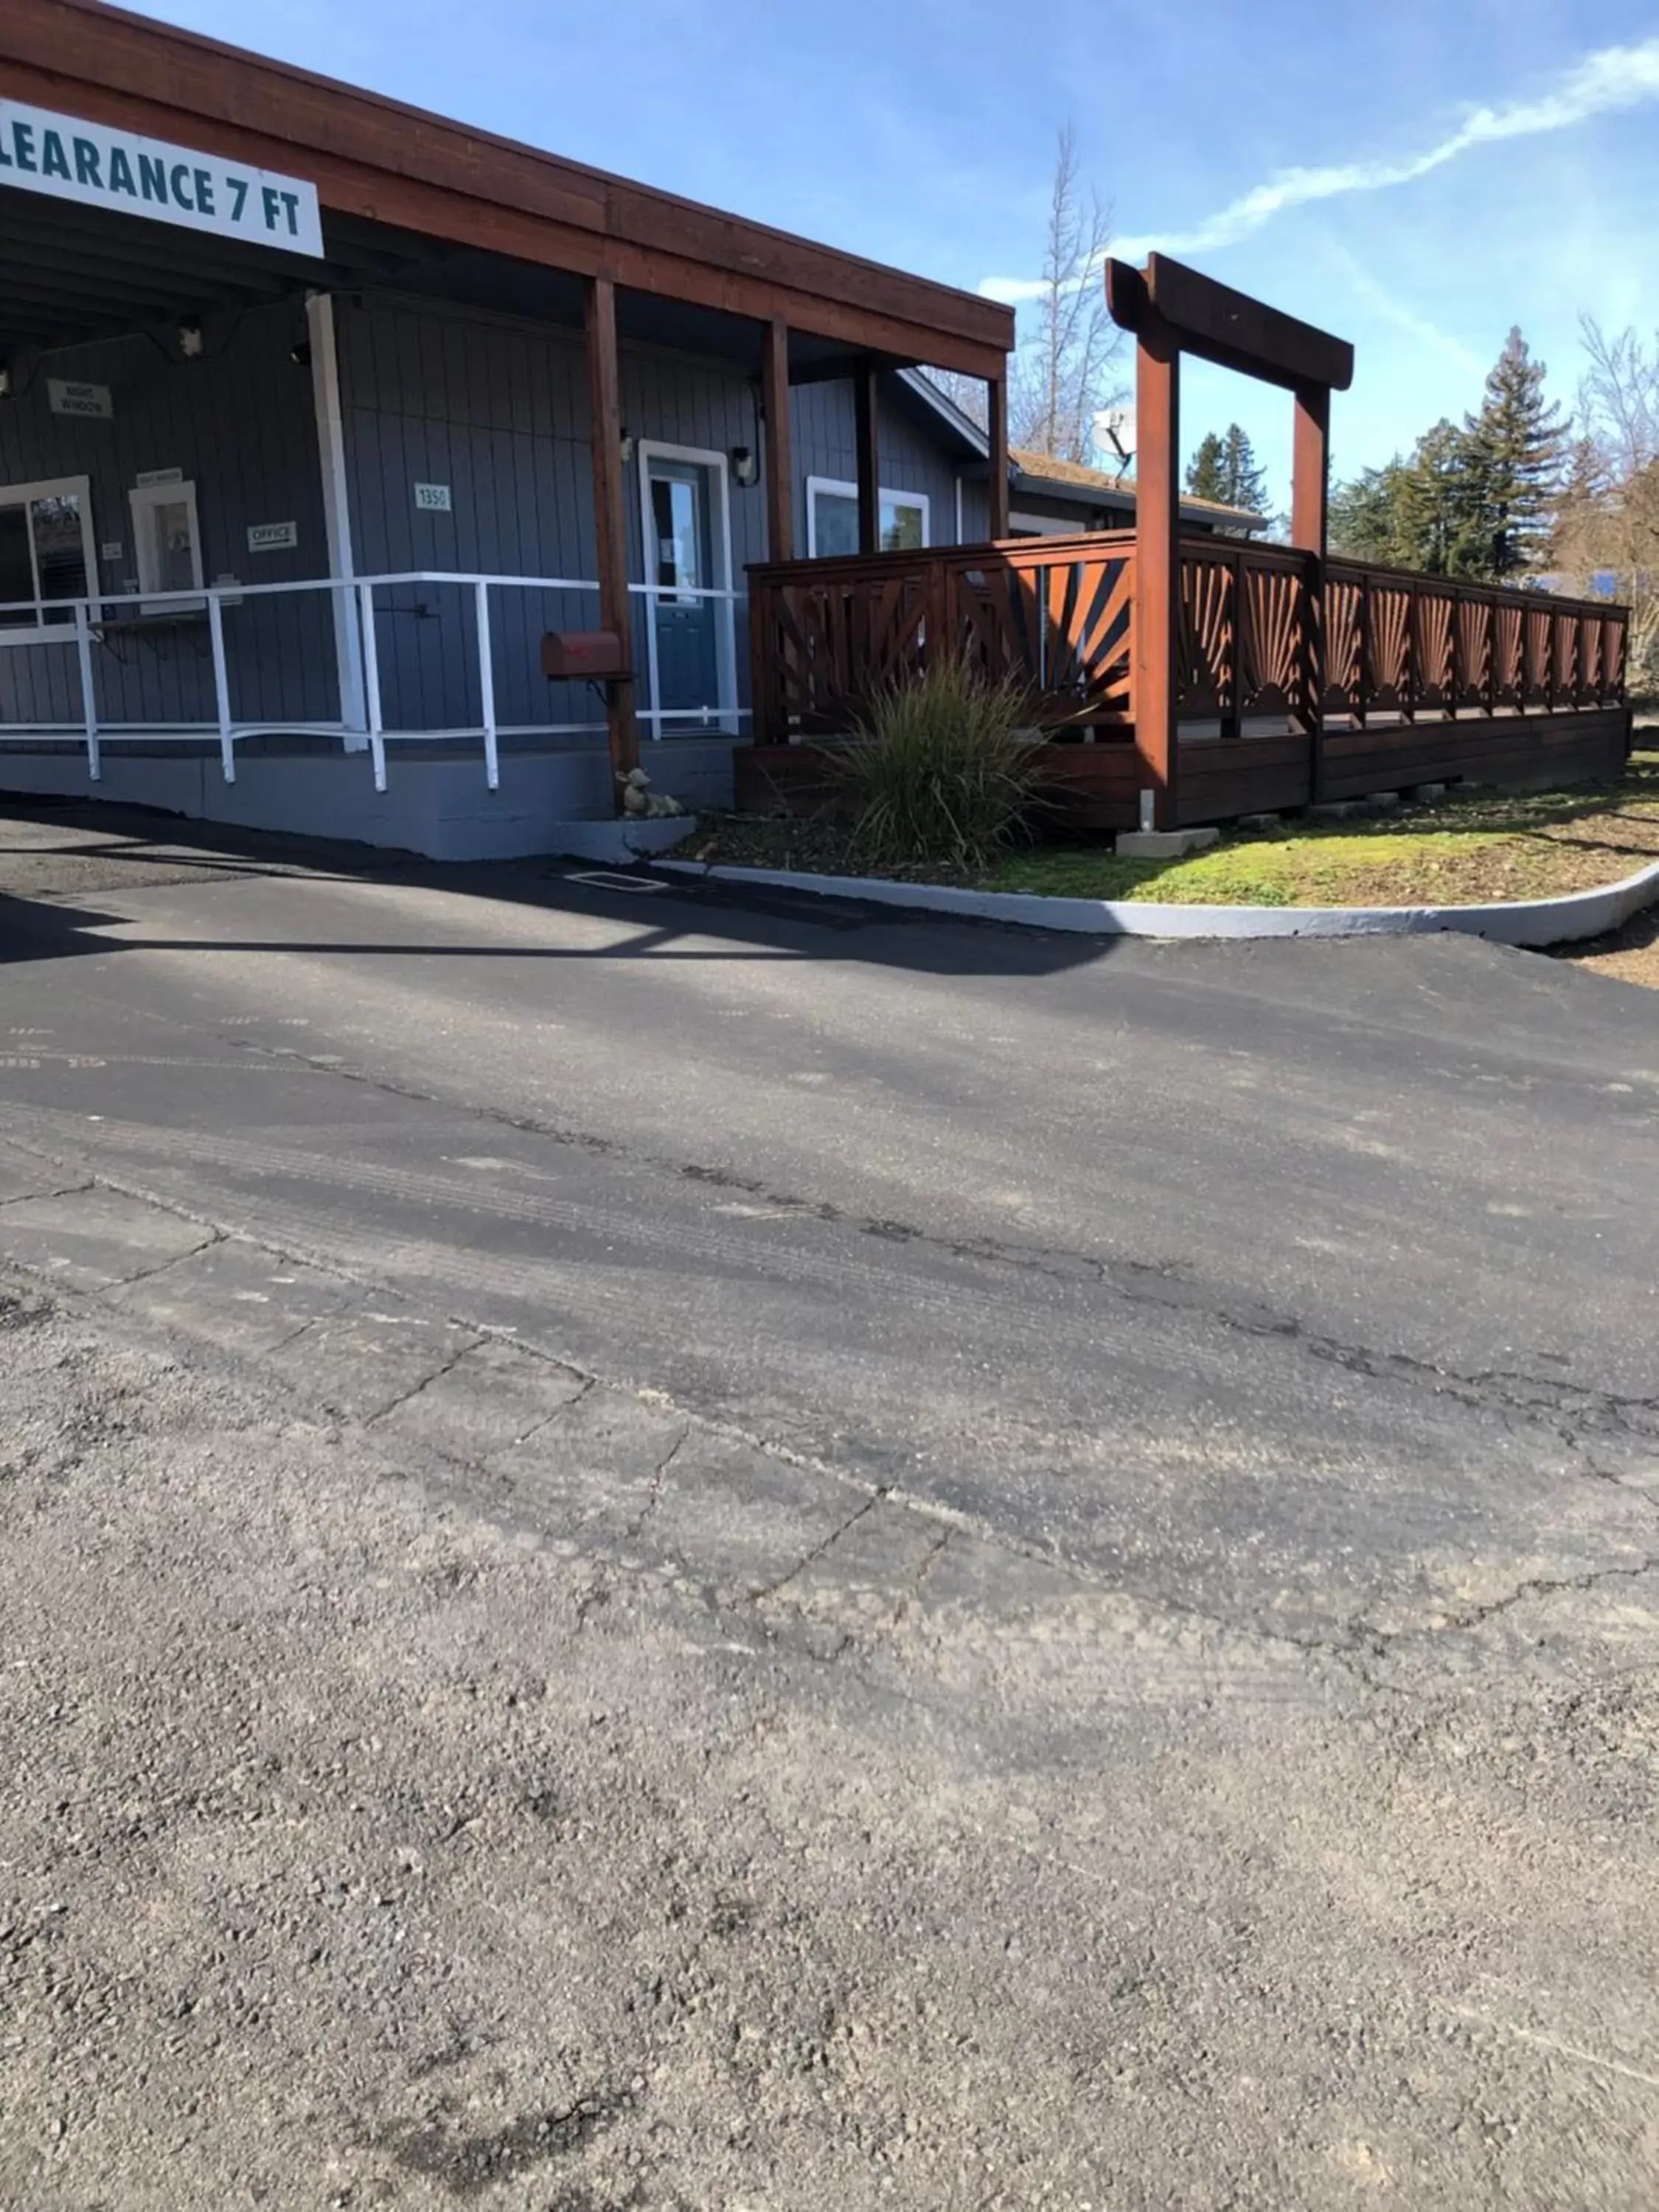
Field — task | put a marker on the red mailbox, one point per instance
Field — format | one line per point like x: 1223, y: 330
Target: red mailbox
x: 592, y: 656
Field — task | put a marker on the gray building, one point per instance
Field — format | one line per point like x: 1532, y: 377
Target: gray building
x: 314, y: 425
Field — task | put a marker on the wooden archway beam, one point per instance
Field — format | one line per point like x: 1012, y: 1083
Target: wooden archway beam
x: 1227, y: 327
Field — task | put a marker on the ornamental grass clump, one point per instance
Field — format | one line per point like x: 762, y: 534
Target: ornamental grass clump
x: 944, y: 773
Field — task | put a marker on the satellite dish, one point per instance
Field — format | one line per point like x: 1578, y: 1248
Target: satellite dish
x: 1114, y: 432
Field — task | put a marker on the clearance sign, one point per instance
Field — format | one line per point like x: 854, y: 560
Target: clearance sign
x: 96, y: 166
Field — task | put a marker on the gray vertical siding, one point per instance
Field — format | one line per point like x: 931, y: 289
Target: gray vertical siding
x: 239, y: 424
x: 822, y: 416
x: 498, y: 412
x: 494, y: 408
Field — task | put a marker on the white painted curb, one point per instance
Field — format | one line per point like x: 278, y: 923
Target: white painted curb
x: 1529, y: 922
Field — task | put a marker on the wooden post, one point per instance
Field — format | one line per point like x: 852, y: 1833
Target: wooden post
x: 777, y: 460
x: 1310, y: 469
x: 996, y: 402
x: 1309, y: 517
x: 610, y: 523
x: 1158, y: 565
x: 868, y: 438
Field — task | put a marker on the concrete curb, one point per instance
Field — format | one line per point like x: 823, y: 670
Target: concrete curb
x: 1528, y: 922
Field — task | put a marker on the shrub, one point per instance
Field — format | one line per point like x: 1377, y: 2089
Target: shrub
x: 941, y: 772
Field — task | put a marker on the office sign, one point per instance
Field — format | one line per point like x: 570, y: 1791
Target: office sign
x: 270, y: 536
x: 65, y: 396
x: 90, y: 163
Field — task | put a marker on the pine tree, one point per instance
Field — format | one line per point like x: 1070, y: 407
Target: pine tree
x: 1512, y: 469
x: 1204, y: 469
x: 1224, y: 468
x: 1366, y: 513
x: 1246, y: 483
x: 1435, y: 526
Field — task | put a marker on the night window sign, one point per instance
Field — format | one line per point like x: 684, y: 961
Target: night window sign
x: 97, y: 167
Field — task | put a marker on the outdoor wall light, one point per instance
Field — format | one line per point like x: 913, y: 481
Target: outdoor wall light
x: 745, y: 468
x: 8, y: 389
x: 190, y: 338
x: 625, y: 445
x: 299, y: 354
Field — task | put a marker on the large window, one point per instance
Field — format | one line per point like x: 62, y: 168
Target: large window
x: 46, y: 551
x: 832, y: 519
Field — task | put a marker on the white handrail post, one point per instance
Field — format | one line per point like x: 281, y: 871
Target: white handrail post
x: 487, y: 685
x: 221, y: 687
x: 88, y: 696
x: 372, y: 682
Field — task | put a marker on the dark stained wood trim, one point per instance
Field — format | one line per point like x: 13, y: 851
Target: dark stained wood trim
x: 996, y: 399
x: 777, y: 460
x: 1157, y: 564
x: 610, y: 521
x: 1227, y: 327
x: 866, y: 440
x: 372, y: 157
x: 1310, y: 469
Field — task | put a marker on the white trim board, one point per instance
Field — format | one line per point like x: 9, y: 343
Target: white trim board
x: 336, y: 512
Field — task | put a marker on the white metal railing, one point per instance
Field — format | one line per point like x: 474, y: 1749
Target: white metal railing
x: 44, y: 626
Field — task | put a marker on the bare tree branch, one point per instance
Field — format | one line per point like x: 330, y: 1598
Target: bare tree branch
x: 1061, y: 374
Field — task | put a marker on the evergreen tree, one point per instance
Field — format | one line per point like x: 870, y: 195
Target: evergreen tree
x: 1366, y: 521
x: 1435, y: 518
x: 1225, y: 469
x: 1511, y: 469
x: 1246, y: 482
x: 1204, y: 469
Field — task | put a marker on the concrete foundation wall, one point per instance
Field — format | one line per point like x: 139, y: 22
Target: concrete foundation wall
x: 436, y: 803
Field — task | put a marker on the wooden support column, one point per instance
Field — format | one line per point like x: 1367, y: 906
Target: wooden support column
x: 996, y: 416
x: 777, y: 460
x: 868, y: 438
x: 1310, y: 469
x: 1310, y: 466
x: 610, y: 520
x: 1158, y: 565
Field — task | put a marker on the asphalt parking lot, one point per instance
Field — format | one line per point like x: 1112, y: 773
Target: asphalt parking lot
x: 670, y: 1549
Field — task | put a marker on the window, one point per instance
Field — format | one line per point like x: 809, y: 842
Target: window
x: 167, y: 541
x: 832, y: 519
x: 46, y: 550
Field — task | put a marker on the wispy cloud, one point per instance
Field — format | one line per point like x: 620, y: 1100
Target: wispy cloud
x: 1386, y: 303
x: 1616, y: 77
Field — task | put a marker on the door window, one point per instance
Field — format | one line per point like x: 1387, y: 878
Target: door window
x: 677, y: 517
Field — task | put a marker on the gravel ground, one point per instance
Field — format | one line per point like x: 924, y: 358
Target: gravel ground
x: 462, y: 1804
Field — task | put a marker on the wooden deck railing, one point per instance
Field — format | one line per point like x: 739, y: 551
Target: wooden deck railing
x: 1259, y: 638
x: 1054, y: 613
x: 1390, y: 644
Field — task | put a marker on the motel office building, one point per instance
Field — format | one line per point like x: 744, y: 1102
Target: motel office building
x: 312, y: 426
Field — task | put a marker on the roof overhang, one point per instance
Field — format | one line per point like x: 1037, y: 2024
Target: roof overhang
x: 375, y: 160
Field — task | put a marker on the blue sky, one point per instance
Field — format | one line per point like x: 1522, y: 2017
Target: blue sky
x: 1477, y: 162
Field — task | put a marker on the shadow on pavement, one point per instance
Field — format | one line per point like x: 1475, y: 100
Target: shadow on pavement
x: 76, y: 852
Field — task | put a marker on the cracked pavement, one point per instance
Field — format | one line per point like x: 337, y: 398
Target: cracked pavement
x: 667, y: 1551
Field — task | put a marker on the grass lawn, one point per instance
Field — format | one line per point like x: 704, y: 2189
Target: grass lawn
x: 1473, y: 846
